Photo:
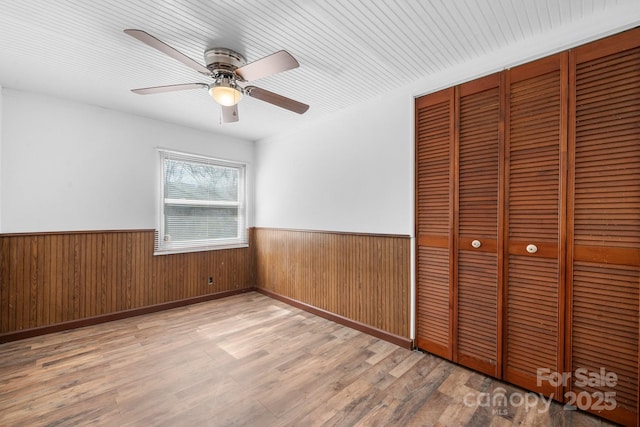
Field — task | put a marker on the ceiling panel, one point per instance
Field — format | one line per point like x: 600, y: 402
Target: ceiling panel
x: 349, y: 51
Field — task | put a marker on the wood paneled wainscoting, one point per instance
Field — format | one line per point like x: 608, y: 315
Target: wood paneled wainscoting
x: 53, y: 281
x: 362, y: 280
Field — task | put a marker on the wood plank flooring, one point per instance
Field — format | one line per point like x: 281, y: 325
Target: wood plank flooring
x: 248, y: 360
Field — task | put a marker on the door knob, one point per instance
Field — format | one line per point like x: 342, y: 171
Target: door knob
x: 532, y: 249
x: 476, y: 244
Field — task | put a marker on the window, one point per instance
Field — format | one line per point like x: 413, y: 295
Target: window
x: 202, y: 204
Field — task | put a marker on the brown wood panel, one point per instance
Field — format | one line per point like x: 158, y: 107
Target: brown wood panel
x: 534, y: 158
x: 486, y: 244
x: 433, y: 241
x: 433, y: 319
x: 536, y: 141
x: 362, y: 277
x: 435, y: 222
x: 434, y: 152
x: 607, y: 255
x: 607, y: 177
x: 477, y: 338
x: 543, y: 249
x: 604, y: 222
x: 531, y: 328
x: 605, y: 333
x: 51, y: 278
x: 478, y: 145
x: 608, y: 46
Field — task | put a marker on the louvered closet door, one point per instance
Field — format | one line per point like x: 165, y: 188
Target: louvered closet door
x: 477, y: 344
x: 535, y: 135
x: 434, y: 206
x: 605, y: 188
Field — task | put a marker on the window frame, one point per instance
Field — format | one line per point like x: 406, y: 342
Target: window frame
x: 164, y: 247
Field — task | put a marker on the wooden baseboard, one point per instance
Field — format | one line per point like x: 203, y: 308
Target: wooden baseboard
x: 58, y: 327
x: 378, y: 333
x: 364, y: 277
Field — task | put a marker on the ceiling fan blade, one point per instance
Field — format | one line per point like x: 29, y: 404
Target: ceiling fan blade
x: 169, y: 88
x: 275, y: 99
x: 148, y: 39
x: 230, y: 113
x: 272, y: 64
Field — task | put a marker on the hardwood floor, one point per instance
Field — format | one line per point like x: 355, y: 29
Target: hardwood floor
x: 248, y: 360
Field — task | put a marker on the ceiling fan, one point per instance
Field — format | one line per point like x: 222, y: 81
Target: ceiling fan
x: 229, y: 71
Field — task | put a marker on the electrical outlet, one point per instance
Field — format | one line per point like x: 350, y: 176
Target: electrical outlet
x: 210, y: 280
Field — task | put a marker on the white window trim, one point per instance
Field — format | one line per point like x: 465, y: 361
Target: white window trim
x: 165, y: 248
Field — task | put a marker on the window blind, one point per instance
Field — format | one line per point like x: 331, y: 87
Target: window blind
x: 202, y: 203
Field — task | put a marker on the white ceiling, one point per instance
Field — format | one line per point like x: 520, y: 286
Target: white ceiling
x: 349, y: 51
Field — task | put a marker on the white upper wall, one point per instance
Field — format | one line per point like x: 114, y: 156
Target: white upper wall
x: 350, y: 173
x: 0, y: 158
x: 68, y: 166
x: 354, y: 170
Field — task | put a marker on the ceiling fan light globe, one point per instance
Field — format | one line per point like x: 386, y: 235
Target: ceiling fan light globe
x: 225, y: 95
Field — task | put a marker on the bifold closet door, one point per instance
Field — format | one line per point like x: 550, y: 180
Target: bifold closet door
x: 604, y: 224
x: 534, y: 270
x: 434, y: 222
x: 477, y: 344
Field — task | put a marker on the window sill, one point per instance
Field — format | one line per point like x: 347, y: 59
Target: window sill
x: 171, y: 251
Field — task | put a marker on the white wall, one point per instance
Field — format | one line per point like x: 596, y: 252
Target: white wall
x: 1, y: 92
x: 352, y: 172
x: 69, y: 166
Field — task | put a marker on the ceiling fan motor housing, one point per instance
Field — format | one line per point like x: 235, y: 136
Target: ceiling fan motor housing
x: 223, y: 61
